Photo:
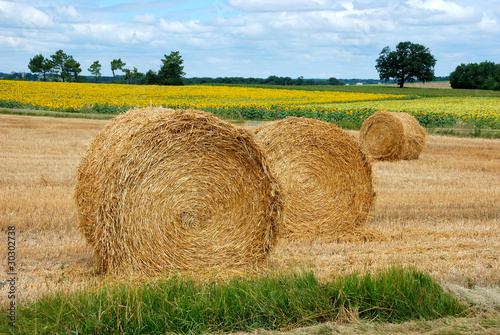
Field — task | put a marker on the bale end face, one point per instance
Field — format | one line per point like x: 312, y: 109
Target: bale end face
x: 325, y: 178
x: 392, y: 136
x: 160, y: 190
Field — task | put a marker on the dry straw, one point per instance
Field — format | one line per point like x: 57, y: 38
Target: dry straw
x: 161, y: 190
x: 325, y: 179
x: 392, y: 136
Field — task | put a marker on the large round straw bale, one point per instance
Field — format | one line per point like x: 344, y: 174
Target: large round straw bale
x: 162, y: 189
x: 325, y: 179
x: 392, y: 136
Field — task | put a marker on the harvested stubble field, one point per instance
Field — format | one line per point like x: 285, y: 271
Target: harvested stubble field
x: 440, y: 213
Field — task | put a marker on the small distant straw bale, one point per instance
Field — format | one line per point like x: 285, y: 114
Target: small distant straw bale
x: 392, y: 136
x: 161, y: 189
x: 325, y: 178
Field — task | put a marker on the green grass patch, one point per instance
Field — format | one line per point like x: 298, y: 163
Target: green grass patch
x: 272, y: 301
x: 57, y: 114
x: 93, y: 109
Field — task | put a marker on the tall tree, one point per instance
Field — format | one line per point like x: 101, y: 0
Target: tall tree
x: 132, y: 75
x: 171, y: 71
x: 95, y: 70
x: 72, y: 66
x: 335, y: 81
x: 128, y: 75
x: 136, y: 75
x: 58, y: 60
x: 41, y: 65
x: 409, y: 62
x: 117, y: 64
x: 150, y: 78
x: 485, y: 75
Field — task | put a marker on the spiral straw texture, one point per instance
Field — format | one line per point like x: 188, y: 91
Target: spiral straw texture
x: 392, y: 136
x: 325, y: 179
x: 162, y: 189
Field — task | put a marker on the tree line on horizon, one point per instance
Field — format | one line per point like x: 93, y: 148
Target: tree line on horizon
x: 485, y: 75
x: 410, y: 62
x: 63, y: 67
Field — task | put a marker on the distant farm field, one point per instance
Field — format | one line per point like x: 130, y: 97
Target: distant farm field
x: 430, y: 84
x: 346, y: 106
x: 78, y: 96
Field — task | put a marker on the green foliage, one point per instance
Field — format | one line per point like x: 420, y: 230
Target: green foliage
x: 73, y: 67
x: 485, y: 75
x: 41, y: 65
x: 116, y: 64
x: 13, y: 104
x: 95, y: 70
x: 60, y: 70
x: 394, y: 295
x: 133, y: 76
x: 107, y: 109
x: 272, y: 301
x: 271, y: 80
x: 275, y: 80
x: 171, y: 72
x: 334, y: 81
x: 384, y: 89
x: 408, y: 63
x: 60, y: 65
x: 150, y: 78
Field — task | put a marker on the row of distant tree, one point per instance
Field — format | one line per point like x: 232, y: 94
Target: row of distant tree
x: 63, y: 67
x: 271, y: 80
x: 409, y: 62
x: 138, y: 78
x: 485, y: 75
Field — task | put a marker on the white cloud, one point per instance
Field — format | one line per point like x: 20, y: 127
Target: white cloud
x: 489, y: 25
x: 281, y: 5
x: 146, y: 18
x: 440, y: 12
x: 23, y: 15
x: 12, y: 42
x: 69, y: 14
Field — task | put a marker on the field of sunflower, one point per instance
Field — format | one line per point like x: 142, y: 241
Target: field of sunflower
x: 345, y: 108
x: 434, y: 111
x: 77, y: 95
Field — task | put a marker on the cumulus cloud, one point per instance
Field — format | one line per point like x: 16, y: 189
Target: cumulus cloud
x: 22, y: 15
x: 69, y: 14
x: 490, y: 24
x: 439, y: 12
x: 12, y: 42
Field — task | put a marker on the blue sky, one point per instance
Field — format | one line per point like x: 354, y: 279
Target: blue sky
x: 249, y: 38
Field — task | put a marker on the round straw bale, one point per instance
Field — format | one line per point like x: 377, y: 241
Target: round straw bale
x: 392, y: 136
x: 324, y: 177
x: 162, y: 189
